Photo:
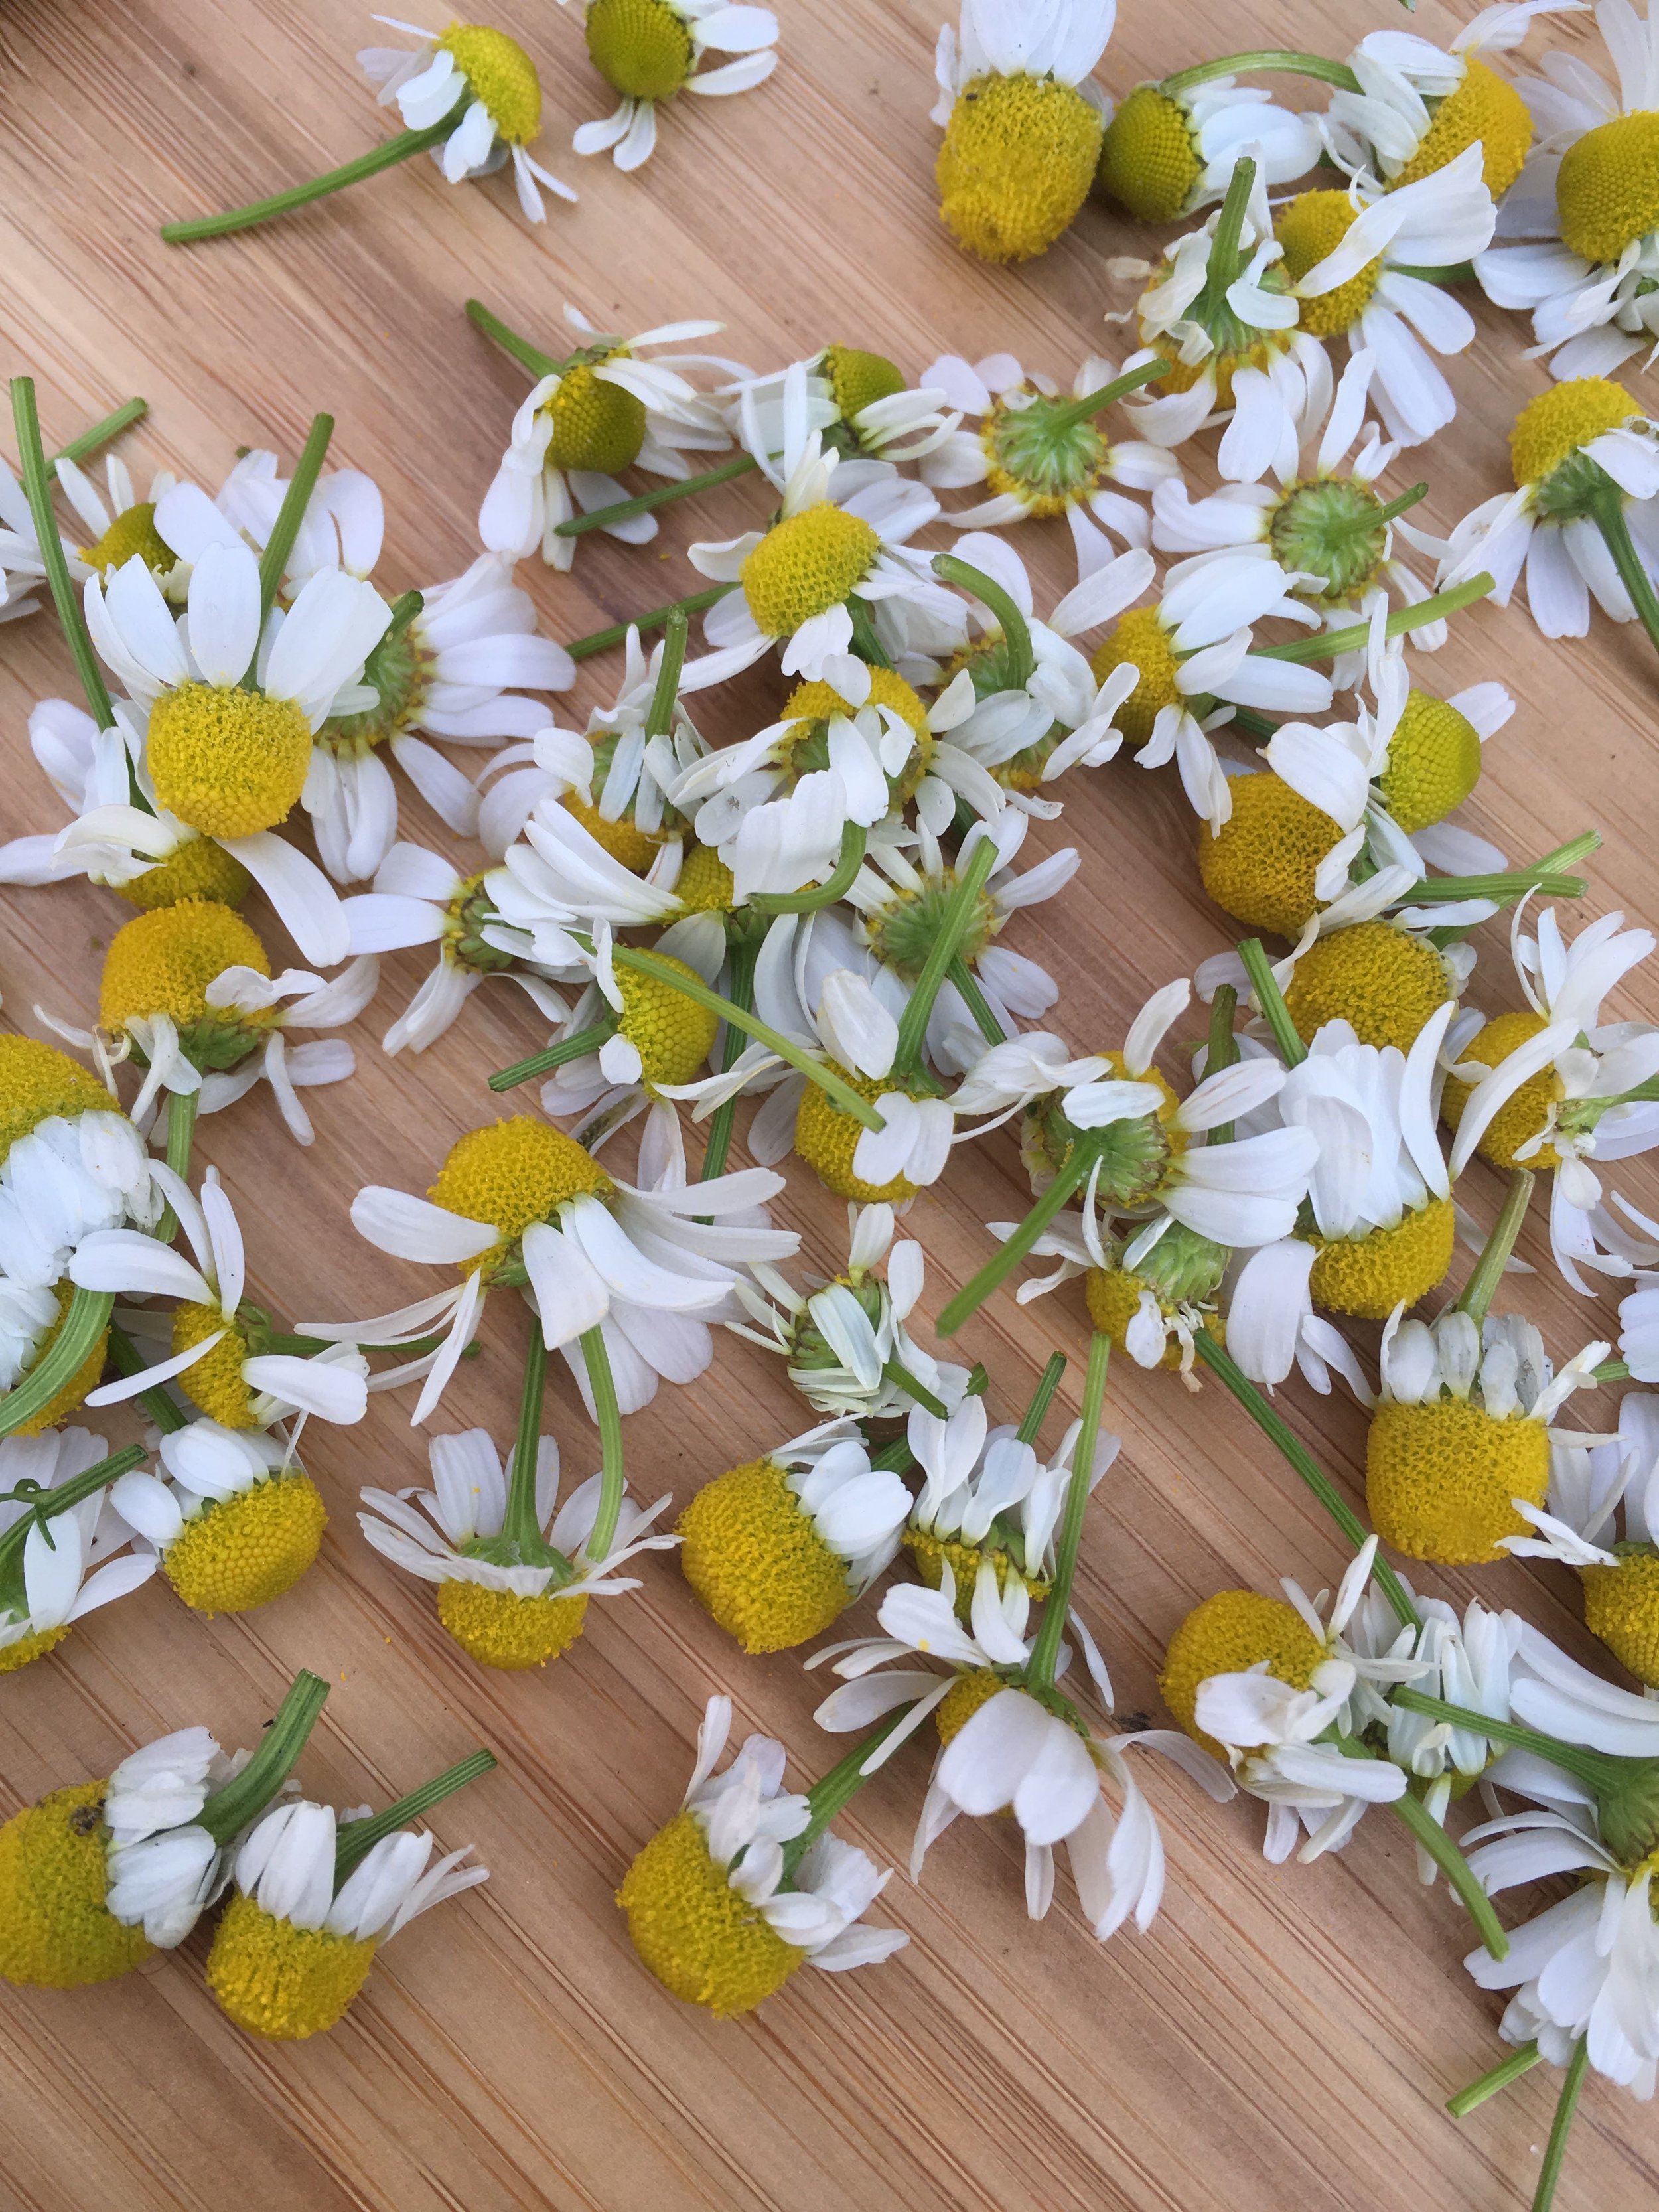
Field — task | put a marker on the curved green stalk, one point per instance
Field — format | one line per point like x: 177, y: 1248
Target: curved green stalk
x: 1443, y: 1851
x: 854, y: 839
x: 1606, y: 509
x: 1008, y: 1254
x: 603, y: 1386
x: 62, y: 1360
x: 384, y: 156
x: 530, y: 358
x: 32, y: 469
x: 952, y: 923
x: 601, y: 641
x: 1280, y: 60
x: 355, y: 1841
x: 1045, y: 1652
x: 1011, y: 619
x: 245, y: 1795
x: 647, y: 502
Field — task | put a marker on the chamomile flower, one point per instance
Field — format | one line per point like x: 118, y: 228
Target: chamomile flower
x: 1150, y: 1291
x: 234, y: 1518
x: 56, y: 1567
x: 1022, y: 121
x: 646, y: 51
x: 505, y: 1607
x: 841, y: 536
x: 71, y: 1164
x: 720, y: 1910
x: 1169, y: 148
x: 123, y: 524
x: 488, y: 83
x: 642, y: 1033
x: 859, y: 401
x: 606, y: 407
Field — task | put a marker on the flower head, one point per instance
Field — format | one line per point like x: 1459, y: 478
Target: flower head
x: 487, y: 82
x: 647, y: 50
x: 56, y: 1567
x: 1170, y: 150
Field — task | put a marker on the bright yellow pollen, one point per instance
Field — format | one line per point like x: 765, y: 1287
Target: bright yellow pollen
x: 133, y: 532
x: 499, y: 1629
x: 704, y: 1943
x: 279, y: 1981
x: 1383, y: 980
x: 161, y: 963
x: 1113, y: 1296
x: 705, y: 884
x: 634, y: 847
x: 1524, y: 1112
x: 672, y: 1034
x: 858, y: 379
x: 198, y: 869
x: 1314, y: 225
x: 1433, y: 764
x: 815, y: 704
x: 1484, y: 107
x: 1439, y: 1478
x: 244, y: 1551
x: 56, y: 1931
x: 1552, y: 427
x: 933, y: 1554
x: 86, y: 1377
x: 964, y: 1699
x: 214, y: 1383
x: 806, y: 564
x: 37, y: 1081
x: 596, y: 424
x: 826, y: 1138
x: 1621, y: 1606
x: 1017, y: 163
x: 1367, y: 1276
x: 1606, y: 190
x: 26, y: 1648
x: 1229, y: 1634
x: 502, y: 75
x: 1149, y: 162
x: 226, y: 761
x: 640, y: 48
x: 757, y: 1564
x: 1260, y: 866
x: 1141, y: 640
x: 513, y: 1172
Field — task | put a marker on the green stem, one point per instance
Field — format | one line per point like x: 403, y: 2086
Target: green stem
x: 1093, y: 403
x: 354, y: 1842
x: 1498, y: 2077
x: 521, y: 1523
x: 865, y: 643
x: 603, y: 1387
x: 746, y: 952
x: 974, y: 998
x: 601, y: 641
x: 1016, y: 630
x: 1223, y: 1048
x: 1008, y: 1255
x: 601, y: 518
x: 854, y: 838
x: 1603, y: 1773
x: 1561, y: 2127
x: 553, y: 1055
x: 1045, y: 1652
x: 1439, y: 1844
x: 1489, y: 1268
x: 528, y: 356
x: 1282, y: 60
x: 895, y: 1457
x: 245, y: 1795
x: 1570, y: 854
x: 660, y: 715
x: 1250, y: 724
x: 303, y: 1348
x: 101, y: 432
x: 907, y: 1382
x: 1273, y: 1427
x: 953, y: 926
x: 1041, y: 1398
x: 291, y: 513
x: 32, y: 467
x: 1612, y: 1370
x: 1270, y: 1000
x: 1512, y: 883
x: 1328, y: 646
x: 1445, y: 272
x: 1362, y: 522
x: 46, y: 1505
x: 125, y: 1358
x: 1607, y: 508
x: 834, y: 1791
x: 1225, y: 260
x: 182, y: 1106
x: 384, y: 156
x: 78, y: 1335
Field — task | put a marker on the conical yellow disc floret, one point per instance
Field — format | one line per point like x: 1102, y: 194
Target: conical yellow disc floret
x: 26, y: 1650
x: 756, y: 1562
x: 36, y: 1082
x: 1314, y: 225
x: 639, y: 47
x: 1606, y: 190
x: 1367, y: 1276
x: 1433, y: 764
x: 56, y: 1931
x: 502, y: 75
x: 596, y: 424
x: 133, y: 532
x: 1383, y: 980
x: 1018, y: 159
x: 621, y: 839
x: 162, y: 963
x: 704, y: 1943
x: 1621, y: 1606
x: 198, y: 869
x: 243, y: 1551
x: 1552, y: 427
x: 705, y: 884
x: 1439, y: 1478
x: 1149, y: 162
x: 964, y: 1699
x: 1141, y: 640
x: 1524, y: 1112
x: 73, y: 1394
x: 1486, y: 107
x: 500, y: 1629
x: 214, y: 1383
x: 1113, y: 1296
x: 1229, y: 1634
x: 673, y: 1035
x: 827, y: 1139
x: 279, y: 1981
x: 513, y: 1172
x: 1260, y: 866
x: 806, y: 564
x: 858, y: 379
x: 228, y: 762
x: 931, y: 1554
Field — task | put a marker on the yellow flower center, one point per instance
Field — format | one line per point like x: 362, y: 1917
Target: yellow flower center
x: 932, y: 1553
x: 86, y: 1377
x: 1550, y: 430
x: 499, y: 1629
x: 1229, y: 1634
x: 38, y: 1081
x: 813, y: 704
x: 1260, y: 866
x: 964, y: 1699
x: 56, y: 1931
x: 1018, y: 159
x: 1383, y: 980
x: 161, y: 963
x: 639, y: 47
x: 1621, y: 1606
x: 1139, y: 639
x: 228, y: 762
x: 1486, y: 108
x: 756, y: 1562
x: 1433, y: 764
x: 705, y: 884
x: 1314, y: 225
x: 198, y: 869
x: 1225, y: 362
x: 857, y: 378
x: 826, y: 1138
x: 1149, y: 162
x: 279, y: 1981
x: 1525, y: 1112
x: 214, y: 1383
x: 672, y: 1034
x: 596, y: 424
x: 27, y: 1648
x: 502, y: 75
x: 244, y: 1551
x: 1367, y: 1276
x: 512, y: 1173
x: 1439, y: 1478
x: 1606, y: 190
x: 806, y: 564
x: 1113, y: 1296
x: 633, y: 848
x: 704, y: 1943
x: 134, y: 532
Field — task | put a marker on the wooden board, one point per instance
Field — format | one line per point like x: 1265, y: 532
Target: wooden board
x: 1281, y: 2038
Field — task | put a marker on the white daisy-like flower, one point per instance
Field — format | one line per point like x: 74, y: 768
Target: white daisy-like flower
x: 487, y: 82
x: 649, y: 53
x: 987, y: 1490
x: 66, y: 1566
x: 1595, y: 1492
x: 858, y: 401
x: 1170, y: 147
x: 122, y: 523
x: 164, y: 1868
x: 207, y: 1469
x: 70, y: 1176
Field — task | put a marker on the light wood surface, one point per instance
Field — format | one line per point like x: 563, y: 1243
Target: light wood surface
x: 1282, y: 2040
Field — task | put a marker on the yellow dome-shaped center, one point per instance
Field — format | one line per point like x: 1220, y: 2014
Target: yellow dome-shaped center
x: 37, y: 1081
x: 1380, y: 978
x: 513, y: 1172
x: 596, y: 424
x: 1439, y: 1478
x: 1621, y: 1606
x: 1229, y: 1634
x: 642, y: 48
x: 196, y: 869
x: 1525, y: 1112
x: 1606, y: 190
x: 214, y: 1383
x: 634, y: 849
x: 133, y: 533
x: 672, y: 1034
x: 226, y: 761
x: 1314, y: 225
x: 704, y: 885
x: 1368, y: 1276
x: 933, y: 1554
x: 502, y: 75
x: 813, y: 705
x: 243, y: 1551
x: 756, y: 1562
x: 702, y: 1939
x: 1139, y: 639
x: 500, y: 1629
x: 826, y: 1138
x: 1149, y: 159
x: 1551, y: 428
x: 806, y: 564
x: 1017, y: 163
x: 858, y: 379
x: 1485, y: 108
x: 162, y: 962
x: 282, y: 1981
x: 1260, y: 866
x: 965, y: 1697
x: 1433, y: 764
x: 55, y: 1930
